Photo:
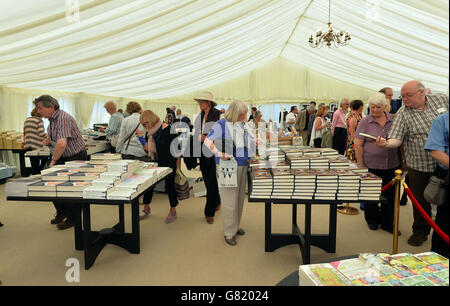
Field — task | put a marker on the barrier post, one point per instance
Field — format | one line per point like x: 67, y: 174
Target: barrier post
x: 397, y: 184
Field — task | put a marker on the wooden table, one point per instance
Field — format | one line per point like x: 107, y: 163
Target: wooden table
x: 92, y: 242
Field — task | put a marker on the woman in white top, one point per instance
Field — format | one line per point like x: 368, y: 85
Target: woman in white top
x: 319, y: 127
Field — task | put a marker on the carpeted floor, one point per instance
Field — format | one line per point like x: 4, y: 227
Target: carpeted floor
x: 186, y: 252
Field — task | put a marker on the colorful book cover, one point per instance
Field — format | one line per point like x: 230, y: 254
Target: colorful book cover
x: 325, y: 275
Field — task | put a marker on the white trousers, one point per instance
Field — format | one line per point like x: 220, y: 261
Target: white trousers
x: 232, y: 203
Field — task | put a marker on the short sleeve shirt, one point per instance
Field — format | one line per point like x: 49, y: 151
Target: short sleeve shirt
x: 63, y: 125
x: 439, y: 134
x: 412, y: 126
x: 375, y: 157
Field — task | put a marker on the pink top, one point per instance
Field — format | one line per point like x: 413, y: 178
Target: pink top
x: 338, y: 120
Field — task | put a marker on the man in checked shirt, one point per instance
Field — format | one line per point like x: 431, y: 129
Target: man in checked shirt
x: 411, y: 126
x: 70, y: 145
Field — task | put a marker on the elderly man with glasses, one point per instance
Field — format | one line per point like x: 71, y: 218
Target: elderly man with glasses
x: 411, y: 126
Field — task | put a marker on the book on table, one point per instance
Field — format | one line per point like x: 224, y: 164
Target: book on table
x: 59, y: 175
x: 45, y: 185
x: 84, y: 176
x: 73, y: 186
x: 106, y: 156
x: 42, y: 193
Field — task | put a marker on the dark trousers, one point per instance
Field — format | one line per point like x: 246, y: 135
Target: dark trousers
x: 208, y: 168
x: 418, y: 180
x: 170, y: 189
x: 340, y: 140
x: 38, y: 163
x: 63, y: 208
x: 382, y: 213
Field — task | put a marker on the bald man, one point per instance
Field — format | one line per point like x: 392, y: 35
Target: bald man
x: 411, y: 127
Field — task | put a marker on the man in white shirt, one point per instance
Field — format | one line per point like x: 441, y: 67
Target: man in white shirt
x: 290, y: 118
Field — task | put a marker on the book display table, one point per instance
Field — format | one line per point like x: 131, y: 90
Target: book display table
x: 92, y: 242
x: 305, y: 240
x: 24, y: 170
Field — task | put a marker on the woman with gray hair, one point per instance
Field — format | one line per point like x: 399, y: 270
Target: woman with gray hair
x: 381, y: 162
x: 229, y: 138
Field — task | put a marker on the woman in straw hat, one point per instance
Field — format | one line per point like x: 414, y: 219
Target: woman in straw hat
x: 203, y: 123
x: 232, y: 132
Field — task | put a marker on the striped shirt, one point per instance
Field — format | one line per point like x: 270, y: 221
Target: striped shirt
x: 114, y: 124
x: 412, y: 126
x: 63, y: 125
x: 33, y: 129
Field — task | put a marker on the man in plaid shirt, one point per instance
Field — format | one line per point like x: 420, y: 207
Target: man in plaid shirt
x: 411, y: 127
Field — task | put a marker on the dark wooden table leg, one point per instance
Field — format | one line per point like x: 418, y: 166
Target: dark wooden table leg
x: 78, y: 227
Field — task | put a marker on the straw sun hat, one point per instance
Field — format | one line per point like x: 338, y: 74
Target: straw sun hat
x: 205, y: 96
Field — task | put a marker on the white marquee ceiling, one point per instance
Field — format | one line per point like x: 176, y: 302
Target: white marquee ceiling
x: 154, y: 49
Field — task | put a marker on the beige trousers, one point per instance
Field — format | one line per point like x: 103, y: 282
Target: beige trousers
x: 232, y: 200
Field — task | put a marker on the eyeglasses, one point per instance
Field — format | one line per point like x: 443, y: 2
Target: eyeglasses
x: 409, y: 95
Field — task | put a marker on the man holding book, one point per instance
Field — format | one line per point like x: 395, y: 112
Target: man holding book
x: 70, y: 145
x: 411, y: 127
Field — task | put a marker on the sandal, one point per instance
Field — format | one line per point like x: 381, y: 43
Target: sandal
x: 144, y: 214
x: 170, y: 218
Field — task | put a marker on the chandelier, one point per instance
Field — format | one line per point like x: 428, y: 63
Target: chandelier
x: 340, y: 38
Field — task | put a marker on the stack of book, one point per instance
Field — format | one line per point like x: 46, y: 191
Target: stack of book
x: 84, y: 176
x: 299, y: 161
x: 72, y: 189
x: 280, y: 164
x: 370, y: 187
x: 43, y: 188
x: 97, y: 192
x: 305, y: 184
x: 424, y: 269
x: 262, y: 183
x: 318, y: 162
x: 283, y: 183
x: 326, y: 185
x: 124, y: 165
x: 58, y: 175
x: 44, y: 151
x: 135, y: 184
x: 348, y: 185
x: 104, y: 158
x: 330, y: 153
x: 338, y: 163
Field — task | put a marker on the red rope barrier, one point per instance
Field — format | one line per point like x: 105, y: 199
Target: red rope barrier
x: 387, y: 186
x: 427, y: 218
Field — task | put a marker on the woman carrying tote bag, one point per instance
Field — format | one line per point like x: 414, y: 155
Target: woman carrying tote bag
x: 230, y: 141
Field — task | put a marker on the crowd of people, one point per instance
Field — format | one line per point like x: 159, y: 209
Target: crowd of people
x: 413, y: 137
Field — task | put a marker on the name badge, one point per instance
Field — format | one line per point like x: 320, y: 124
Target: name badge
x: 442, y: 110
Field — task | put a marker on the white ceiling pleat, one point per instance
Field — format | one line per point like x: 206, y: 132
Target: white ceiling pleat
x: 152, y: 49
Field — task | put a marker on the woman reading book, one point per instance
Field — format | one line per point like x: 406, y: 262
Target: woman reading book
x: 159, y: 142
x: 379, y: 161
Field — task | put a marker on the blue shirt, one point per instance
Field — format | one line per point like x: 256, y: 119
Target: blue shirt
x: 114, y: 124
x: 221, y: 133
x: 438, y: 137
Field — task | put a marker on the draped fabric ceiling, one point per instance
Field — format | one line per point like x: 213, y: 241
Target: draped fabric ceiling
x: 148, y: 49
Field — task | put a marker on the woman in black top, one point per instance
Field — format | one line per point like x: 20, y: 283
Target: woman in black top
x: 203, y: 123
x: 159, y: 142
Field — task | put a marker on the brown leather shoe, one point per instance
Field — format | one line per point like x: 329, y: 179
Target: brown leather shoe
x: 65, y: 224
x: 416, y: 240
x: 210, y: 220
x: 58, y: 218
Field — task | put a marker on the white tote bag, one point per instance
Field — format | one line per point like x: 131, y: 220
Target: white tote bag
x: 227, y: 173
